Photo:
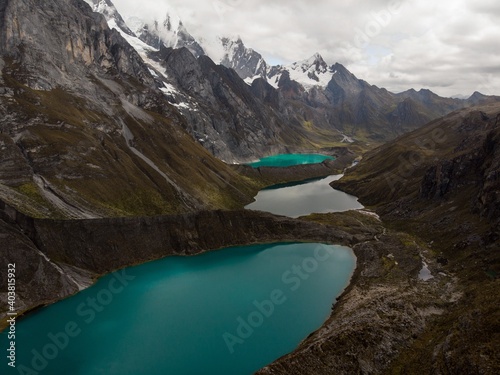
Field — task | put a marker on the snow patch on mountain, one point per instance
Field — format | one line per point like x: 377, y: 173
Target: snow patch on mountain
x: 175, y: 97
x: 150, y: 43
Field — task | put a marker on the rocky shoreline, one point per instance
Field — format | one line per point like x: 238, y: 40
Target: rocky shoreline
x: 385, y: 308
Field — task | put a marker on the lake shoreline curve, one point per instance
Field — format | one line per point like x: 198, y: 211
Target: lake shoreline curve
x: 74, y: 253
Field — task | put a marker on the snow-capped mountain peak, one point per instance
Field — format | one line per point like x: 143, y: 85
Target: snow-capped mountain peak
x: 313, y: 71
x: 170, y: 32
x: 230, y: 52
x: 248, y: 63
x: 314, y: 64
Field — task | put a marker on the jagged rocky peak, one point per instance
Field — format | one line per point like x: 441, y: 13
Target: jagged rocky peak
x: 248, y: 63
x: 168, y: 31
x: 341, y: 72
x: 476, y: 96
x: 315, y: 63
x: 343, y: 82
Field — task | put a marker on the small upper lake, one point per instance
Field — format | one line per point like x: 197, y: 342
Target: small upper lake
x: 303, y: 198
x: 288, y: 160
x: 230, y: 311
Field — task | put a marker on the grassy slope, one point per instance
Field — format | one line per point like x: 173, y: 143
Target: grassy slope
x: 79, y: 149
x: 390, y: 179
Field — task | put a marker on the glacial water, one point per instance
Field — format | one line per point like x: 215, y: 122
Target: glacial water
x: 304, y: 198
x: 230, y: 311
x: 288, y: 160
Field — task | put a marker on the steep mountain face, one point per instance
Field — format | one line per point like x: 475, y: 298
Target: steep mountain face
x: 248, y: 63
x: 443, y: 176
x: 433, y: 104
x: 441, y: 182
x: 86, y: 131
x: 225, y: 116
x: 451, y: 162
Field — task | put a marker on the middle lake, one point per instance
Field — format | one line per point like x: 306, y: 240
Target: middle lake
x: 303, y: 198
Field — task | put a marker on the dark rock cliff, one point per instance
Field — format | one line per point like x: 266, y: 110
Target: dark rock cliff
x: 225, y: 116
x: 74, y: 40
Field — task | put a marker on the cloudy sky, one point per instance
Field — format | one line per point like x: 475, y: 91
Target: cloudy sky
x: 449, y: 46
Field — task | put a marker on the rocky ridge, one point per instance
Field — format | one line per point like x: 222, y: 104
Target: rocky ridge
x: 305, y: 104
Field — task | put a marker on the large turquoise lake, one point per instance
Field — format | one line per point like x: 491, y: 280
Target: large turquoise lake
x: 230, y: 311
x: 288, y: 160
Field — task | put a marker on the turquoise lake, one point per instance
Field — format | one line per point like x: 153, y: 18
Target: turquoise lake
x: 303, y: 198
x: 230, y: 311
x: 288, y: 160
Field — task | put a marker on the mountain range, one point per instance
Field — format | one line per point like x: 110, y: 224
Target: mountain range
x: 308, y: 104
x: 143, y: 108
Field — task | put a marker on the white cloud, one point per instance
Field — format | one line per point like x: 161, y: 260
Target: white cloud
x: 448, y: 46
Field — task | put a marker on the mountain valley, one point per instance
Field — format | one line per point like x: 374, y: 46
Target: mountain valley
x: 124, y: 141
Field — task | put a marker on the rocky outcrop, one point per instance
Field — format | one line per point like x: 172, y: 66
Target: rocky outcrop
x: 265, y: 92
x: 66, y: 50
x: 38, y: 280
x: 108, y: 10
x: 477, y: 169
x: 104, y: 245
x: 439, y: 175
x: 168, y: 32
x: 488, y: 202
